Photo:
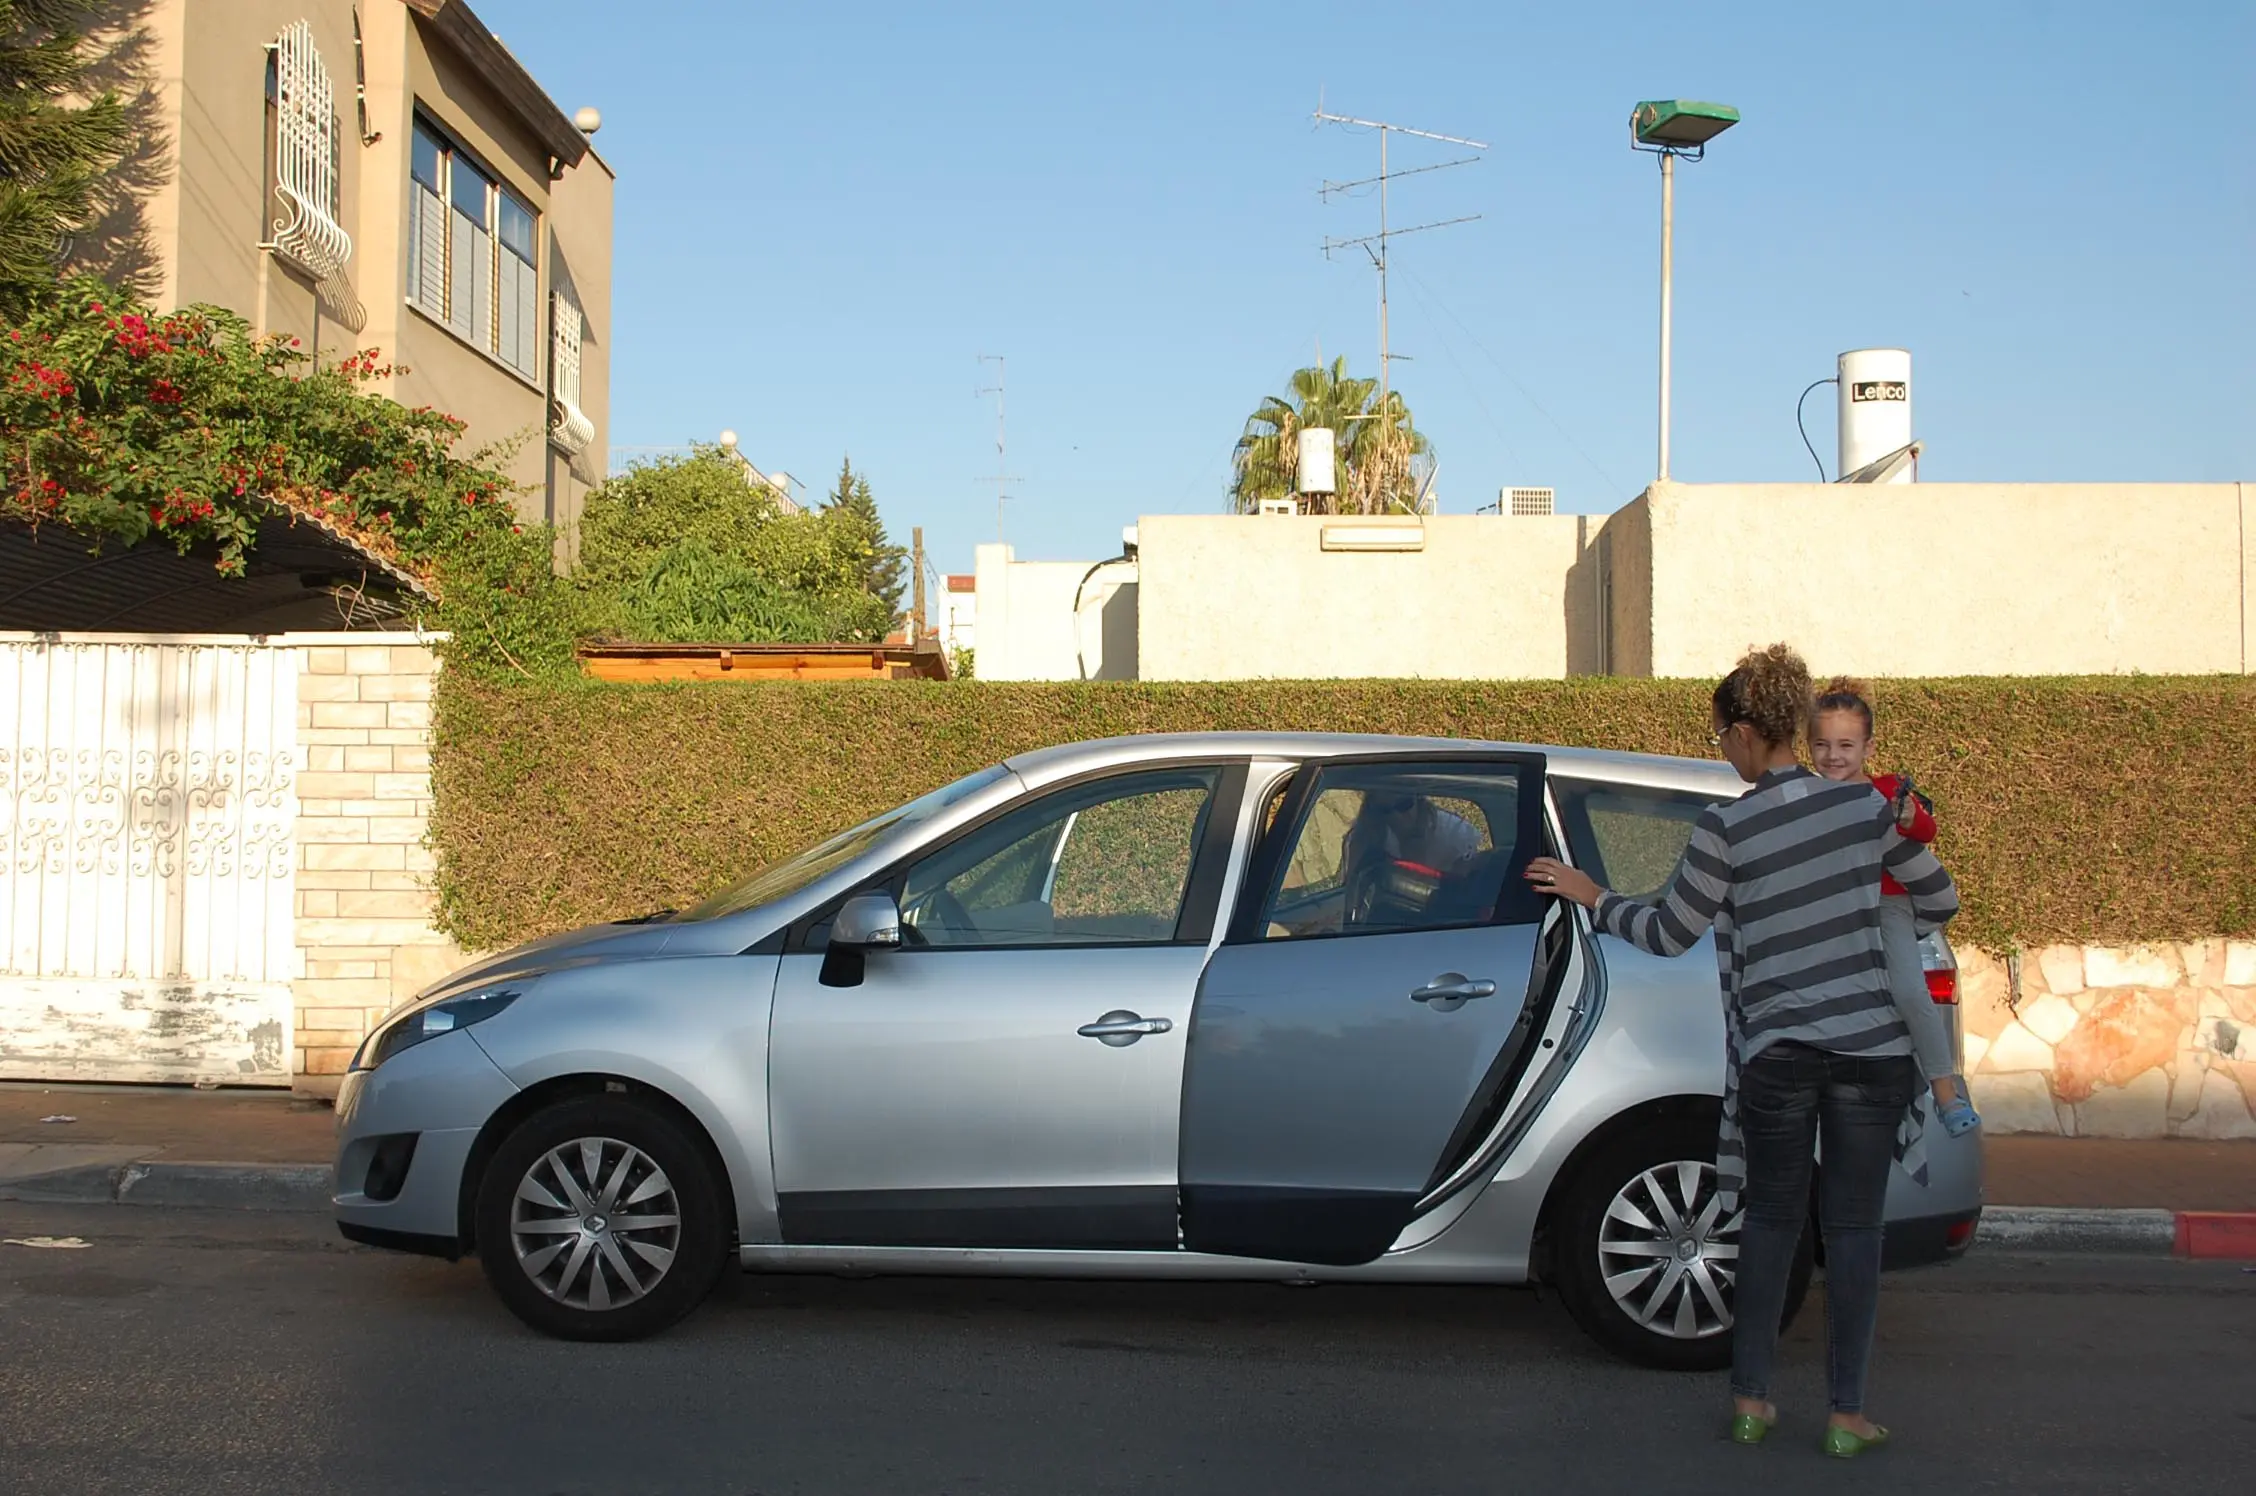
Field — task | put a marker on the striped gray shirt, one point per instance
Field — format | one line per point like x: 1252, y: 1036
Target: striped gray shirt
x: 1789, y: 877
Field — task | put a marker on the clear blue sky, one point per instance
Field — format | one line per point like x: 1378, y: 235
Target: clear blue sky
x: 826, y: 213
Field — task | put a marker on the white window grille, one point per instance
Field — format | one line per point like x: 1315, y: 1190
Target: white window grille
x: 569, y: 428
x: 306, y: 231
x: 1528, y: 501
x: 472, y: 252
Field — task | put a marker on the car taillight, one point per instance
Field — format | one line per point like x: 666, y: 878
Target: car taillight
x: 1959, y: 1237
x: 1942, y: 985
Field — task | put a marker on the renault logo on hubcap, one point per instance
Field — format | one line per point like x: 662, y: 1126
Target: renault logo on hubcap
x: 596, y: 1223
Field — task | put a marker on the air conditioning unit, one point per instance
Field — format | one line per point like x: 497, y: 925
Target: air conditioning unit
x: 1528, y: 501
x: 1279, y: 506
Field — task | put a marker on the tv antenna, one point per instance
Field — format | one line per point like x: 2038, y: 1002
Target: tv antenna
x: 1375, y: 245
x: 1003, y: 475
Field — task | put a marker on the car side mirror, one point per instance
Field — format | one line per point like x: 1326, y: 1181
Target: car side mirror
x: 867, y: 921
x: 864, y: 923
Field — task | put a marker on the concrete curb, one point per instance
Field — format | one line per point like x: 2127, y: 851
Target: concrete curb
x: 202, y: 1186
x: 2209, y: 1235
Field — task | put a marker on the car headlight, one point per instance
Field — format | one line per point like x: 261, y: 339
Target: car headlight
x: 428, y: 1023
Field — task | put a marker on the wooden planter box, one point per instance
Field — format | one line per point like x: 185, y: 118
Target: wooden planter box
x: 645, y: 662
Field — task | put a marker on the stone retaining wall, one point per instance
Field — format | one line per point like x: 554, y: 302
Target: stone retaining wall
x: 2144, y: 1041
x: 364, y: 903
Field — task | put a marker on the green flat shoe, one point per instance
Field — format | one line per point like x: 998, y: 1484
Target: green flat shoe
x: 1752, y: 1428
x: 1846, y: 1444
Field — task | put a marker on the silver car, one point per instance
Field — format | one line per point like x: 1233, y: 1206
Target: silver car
x: 1237, y: 1005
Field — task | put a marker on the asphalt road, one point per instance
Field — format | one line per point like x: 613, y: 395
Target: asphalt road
x: 197, y: 1351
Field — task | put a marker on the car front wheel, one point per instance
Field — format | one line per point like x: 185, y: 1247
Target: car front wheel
x: 599, y: 1219
x: 1647, y: 1259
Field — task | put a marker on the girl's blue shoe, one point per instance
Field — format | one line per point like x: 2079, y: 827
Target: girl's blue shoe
x: 1957, y: 1114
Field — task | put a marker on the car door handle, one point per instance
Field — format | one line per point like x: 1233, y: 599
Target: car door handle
x: 1123, y: 1027
x: 1450, y: 987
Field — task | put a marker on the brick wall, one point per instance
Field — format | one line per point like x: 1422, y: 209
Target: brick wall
x: 364, y: 903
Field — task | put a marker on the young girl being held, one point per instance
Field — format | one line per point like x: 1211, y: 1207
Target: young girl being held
x: 1841, y: 746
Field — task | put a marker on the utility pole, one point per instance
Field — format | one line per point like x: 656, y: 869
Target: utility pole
x: 1003, y: 476
x: 916, y: 617
x: 1375, y: 245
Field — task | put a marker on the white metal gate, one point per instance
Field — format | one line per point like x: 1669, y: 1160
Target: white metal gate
x: 147, y: 804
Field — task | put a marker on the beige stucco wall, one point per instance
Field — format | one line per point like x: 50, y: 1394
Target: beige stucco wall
x: 579, y: 249
x: 1625, y: 555
x: 210, y: 214
x: 1233, y: 597
x: 206, y: 62
x: 1942, y: 579
x: 1028, y: 627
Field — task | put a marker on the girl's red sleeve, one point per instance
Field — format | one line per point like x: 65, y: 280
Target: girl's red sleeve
x: 1922, y: 819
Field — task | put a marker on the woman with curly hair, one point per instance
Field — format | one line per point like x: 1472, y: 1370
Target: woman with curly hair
x: 1789, y: 878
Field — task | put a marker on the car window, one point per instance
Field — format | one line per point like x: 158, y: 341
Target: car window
x: 1101, y: 864
x: 1389, y: 847
x: 781, y: 879
x: 1628, y: 837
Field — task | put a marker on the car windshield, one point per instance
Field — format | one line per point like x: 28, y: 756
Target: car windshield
x: 779, y: 879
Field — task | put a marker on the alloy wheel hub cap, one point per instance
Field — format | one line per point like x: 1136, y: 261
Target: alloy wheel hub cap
x: 595, y: 1223
x: 1668, y: 1255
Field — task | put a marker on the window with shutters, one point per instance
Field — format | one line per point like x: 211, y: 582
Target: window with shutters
x: 472, y: 253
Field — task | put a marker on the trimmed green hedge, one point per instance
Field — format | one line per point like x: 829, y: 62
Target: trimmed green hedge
x: 2105, y: 811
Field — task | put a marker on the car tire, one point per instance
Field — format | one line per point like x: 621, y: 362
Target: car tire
x: 600, y: 1218
x: 1617, y: 1215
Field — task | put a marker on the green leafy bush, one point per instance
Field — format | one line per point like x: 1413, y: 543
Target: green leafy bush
x: 696, y: 554
x: 2105, y: 810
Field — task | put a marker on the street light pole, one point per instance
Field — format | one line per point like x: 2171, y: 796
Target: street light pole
x: 1671, y: 128
x: 1668, y: 265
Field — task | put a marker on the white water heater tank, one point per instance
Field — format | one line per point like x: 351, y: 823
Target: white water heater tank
x: 1316, y: 465
x: 1875, y: 403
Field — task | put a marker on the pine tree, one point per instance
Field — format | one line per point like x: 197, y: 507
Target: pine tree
x: 887, y: 579
x: 53, y: 145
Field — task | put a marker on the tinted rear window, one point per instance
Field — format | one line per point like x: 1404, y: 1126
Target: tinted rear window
x: 1628, y: 836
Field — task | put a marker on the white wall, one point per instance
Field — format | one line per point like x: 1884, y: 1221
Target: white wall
x: 959, y: 619
x: 1941, y: 579
x: 1238, y: 597
x: 1028, y: 627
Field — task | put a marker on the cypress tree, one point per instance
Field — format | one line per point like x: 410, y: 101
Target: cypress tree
x: 887, y: 579
x: 54, y: 141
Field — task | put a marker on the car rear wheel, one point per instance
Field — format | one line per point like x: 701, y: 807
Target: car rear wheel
x: 1646, y: 1258
x: 599, y: 1219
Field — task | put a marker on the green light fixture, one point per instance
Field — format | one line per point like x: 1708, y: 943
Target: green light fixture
x: 1679, y: 124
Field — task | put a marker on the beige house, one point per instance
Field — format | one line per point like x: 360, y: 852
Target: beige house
x: 376, y: 174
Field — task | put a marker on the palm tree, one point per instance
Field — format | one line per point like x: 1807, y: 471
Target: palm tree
x: 1375, y: 444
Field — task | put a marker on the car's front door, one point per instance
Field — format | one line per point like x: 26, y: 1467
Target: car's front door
x: 1360, y: 1029
x: 1011, y: 1076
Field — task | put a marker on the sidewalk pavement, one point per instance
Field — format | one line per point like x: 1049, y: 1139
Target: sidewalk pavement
x: 240, y: 1147
x: 164, y: 1145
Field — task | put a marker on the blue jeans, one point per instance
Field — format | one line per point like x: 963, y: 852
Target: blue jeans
x: 1789, y: 1097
